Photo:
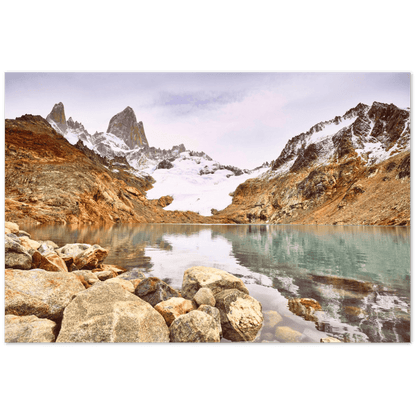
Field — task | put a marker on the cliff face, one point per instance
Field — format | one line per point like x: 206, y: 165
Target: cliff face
x: 49, y: 180
x: 354, y: 169
x: 125, y: 126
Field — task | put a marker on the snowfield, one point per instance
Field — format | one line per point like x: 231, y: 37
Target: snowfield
x: 192, y: 191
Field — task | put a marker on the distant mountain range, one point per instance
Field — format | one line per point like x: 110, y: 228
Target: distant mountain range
x: 352, y: 169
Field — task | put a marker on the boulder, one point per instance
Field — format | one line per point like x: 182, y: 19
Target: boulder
x: 14, y: 228
x: 195, y: 326
x: 217, y: 280
x: 174, y: 307
x: 241, y: 315
x: 88, y: 276
x: 90, y: 258
x: 47, y: 247
x: 22, y: 233
x: 104, y: 275
x: 305, y: 307
x: 287, y: 334
x: 28, y: 244
x: 108, y: 313
x: 135, y: 282
x: 125, y: 284
x: 16, y: 257
x: 132, y: 274
x: 271, y: 319
x: 109, y: 268
x: 204, y: 296
x: 52, y: 263
x: 72, y: 250
x: 40, y: 293
x: 330, y: 339
x: 28, y: 329
x: 154, y: 290
x: 215, y: 313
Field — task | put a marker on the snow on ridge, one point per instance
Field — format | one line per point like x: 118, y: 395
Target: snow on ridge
x: 192, y: 191
x: 330, y: 130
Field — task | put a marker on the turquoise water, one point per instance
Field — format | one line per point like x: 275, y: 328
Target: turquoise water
x: 277, y: 263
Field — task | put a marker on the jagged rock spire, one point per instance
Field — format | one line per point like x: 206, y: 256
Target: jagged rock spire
x: 57, y: 116
x: 125, y: 126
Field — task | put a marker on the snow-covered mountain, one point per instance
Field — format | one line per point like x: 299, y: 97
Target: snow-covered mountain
x: 374, y: 133
x: 353, y: 169
x: 195, y: 181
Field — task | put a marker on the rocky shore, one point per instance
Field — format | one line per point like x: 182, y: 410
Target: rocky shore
x: 67, y: 294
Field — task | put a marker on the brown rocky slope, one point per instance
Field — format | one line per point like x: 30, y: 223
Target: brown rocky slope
x: 348, y: 193
x: 47, y: 180
x: 338, y: 178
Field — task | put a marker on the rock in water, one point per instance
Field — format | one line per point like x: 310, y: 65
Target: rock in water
x: 57, y: 116
x: 241, y: 315
x: 125, y: 126
x: 108, y: 313
x: 28, y: 329
x: 91, y: 257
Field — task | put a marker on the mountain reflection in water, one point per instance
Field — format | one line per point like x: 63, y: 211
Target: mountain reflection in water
x: 359, y: 275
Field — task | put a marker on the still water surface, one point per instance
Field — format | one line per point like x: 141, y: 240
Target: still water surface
x: 277, y: 263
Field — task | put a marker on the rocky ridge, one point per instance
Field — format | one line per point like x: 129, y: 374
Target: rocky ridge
x: 49, y: 180
x: 353, y: 169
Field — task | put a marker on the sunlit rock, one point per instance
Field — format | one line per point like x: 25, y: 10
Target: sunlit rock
x: 40, y: 293
x: 28, y: 329
x: 109, y: 313
x: 195, y: 326
x: 217, y: 280
x: 204, y: 296
x: 173, y: 308
x: 241, y: 315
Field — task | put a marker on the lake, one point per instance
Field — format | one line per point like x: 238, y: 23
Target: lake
x: 359, y: 275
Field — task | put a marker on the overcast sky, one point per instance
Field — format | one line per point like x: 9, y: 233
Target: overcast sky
x: 243, y: 119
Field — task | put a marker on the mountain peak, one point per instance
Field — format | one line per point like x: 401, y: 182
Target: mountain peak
x: 57, y: 116
x: 124, y: 125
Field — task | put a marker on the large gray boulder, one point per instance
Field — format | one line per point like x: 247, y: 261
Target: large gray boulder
x: 154, y: 290
x: 40, y: 293
x: 195, y: 326
x: 217, y: 280
x: 108, y: 313
x: 28, y: 329
x: 241, y: 315
x: 16, y: 256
